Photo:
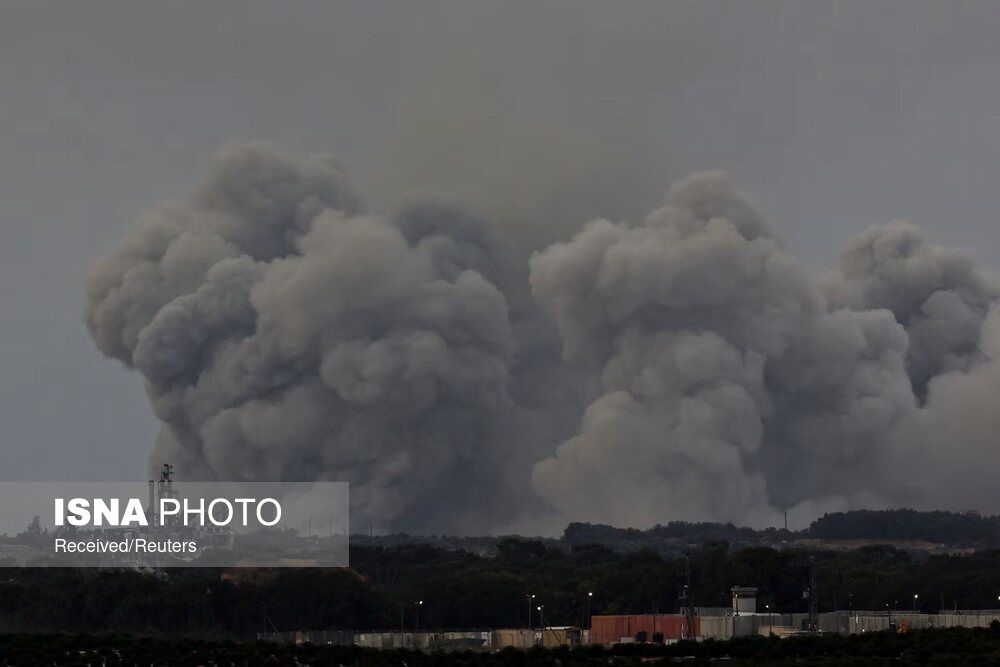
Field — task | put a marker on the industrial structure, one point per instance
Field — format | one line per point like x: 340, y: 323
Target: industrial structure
x: 743, y: 618
x: 608, y: 630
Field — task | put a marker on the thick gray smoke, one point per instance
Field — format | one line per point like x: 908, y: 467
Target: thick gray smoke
x: 938, y: 294
x: 729, y: 387
x: 283, y: 333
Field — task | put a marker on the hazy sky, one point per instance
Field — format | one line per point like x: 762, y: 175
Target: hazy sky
x: 831, y: 115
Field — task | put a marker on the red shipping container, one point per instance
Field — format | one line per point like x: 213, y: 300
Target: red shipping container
x: 614, y: 629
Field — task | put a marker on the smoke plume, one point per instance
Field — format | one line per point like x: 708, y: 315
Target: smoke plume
x: 283, y: 334
x: 687, y: 367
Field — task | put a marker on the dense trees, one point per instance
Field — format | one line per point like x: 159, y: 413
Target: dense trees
x: 465, y: 590
x: 967, y: 529
x: 185, y: 601
x: 909, y: 525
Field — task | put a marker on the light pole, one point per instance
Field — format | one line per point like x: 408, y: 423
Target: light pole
x: 417, y: 606
x: 915, y: 596
x: 770, y: 620
x: 590, y: 596
x: 541, y: 620
x: 530, y: 597
x: 402, y: 632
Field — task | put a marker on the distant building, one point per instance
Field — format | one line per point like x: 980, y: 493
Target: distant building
x: 628, y: 628
x: 744, y: 600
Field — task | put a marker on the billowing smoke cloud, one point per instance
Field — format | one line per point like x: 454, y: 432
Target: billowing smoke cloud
x: 284, y: 335
x: 687, y: 367
x: 729, y: 388
x: 938, y: 294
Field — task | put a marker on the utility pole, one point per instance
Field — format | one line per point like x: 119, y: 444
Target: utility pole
x: 813, y: 591
x: 685, y: 601
x: 402, y: 636
x: 813, y: 596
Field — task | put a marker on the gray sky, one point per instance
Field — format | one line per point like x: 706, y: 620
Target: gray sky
x: 831, y: 115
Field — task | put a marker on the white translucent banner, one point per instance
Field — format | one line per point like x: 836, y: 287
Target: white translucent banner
x: 163, y: 524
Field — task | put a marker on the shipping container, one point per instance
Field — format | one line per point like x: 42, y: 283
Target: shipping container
x: 610, y: 630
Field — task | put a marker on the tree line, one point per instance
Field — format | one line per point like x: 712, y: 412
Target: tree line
x: 460, y: 589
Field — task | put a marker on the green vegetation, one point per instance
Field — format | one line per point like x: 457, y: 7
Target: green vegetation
x: 966, y: 529
x: 466, y: 590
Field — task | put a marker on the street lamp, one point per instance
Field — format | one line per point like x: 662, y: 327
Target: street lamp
x: 418, y: 605
x: 915, y: 596
x: 530, y: 597
x: 590, y: 597
x: 770, y: 620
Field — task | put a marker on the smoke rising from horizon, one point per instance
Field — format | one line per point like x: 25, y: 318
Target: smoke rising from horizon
x: 685, y: 367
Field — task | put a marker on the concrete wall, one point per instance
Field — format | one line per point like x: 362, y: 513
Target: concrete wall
x: 834, y: 621
x: 338, y: 637
x: 716, y: 627
x: 976, y: 620
x: 450, y: 641
x: 713, y: 611
x: 749, y: 625
x: 515, y: 638
x: 876, y: 621
x: 426, y: 640
x: 553, y: 637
